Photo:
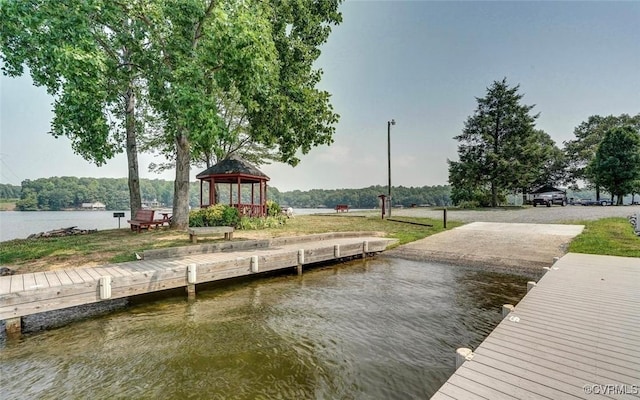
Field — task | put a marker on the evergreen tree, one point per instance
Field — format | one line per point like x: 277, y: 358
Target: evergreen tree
x: 496, y: 147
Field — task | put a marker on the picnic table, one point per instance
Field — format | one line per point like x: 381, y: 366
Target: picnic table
x: 144, y: 219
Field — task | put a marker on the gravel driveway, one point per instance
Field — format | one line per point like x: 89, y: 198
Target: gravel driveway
x: 540, y: 215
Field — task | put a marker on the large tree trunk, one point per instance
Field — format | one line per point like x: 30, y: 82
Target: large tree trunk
x: 135, y: 199
x: 181, y: 185
x: 597, y: 192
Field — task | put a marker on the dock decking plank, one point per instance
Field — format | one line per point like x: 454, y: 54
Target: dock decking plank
x: 41, y: 280
x: 532, y: 372
x: 29, y: 281
x: 554, y: 321
x: 82, y: 272
x: 576, y: 341
x: 74, y: 276
x: 580, y: 325
x: 17, y: 283
x: 451, y: 391
x: 596, y: 348
x: 462, y: 385
x: 515, y: 388
x: 63, y: 277
x: 590, y: 358
x: 5, y: 284
x: 53, y: 279
x: 92, y: 273
x: 574, y: 365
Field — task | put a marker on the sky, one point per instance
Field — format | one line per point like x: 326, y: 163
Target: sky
x: 420, y: 63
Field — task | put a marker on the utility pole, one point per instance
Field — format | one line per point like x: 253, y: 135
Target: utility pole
x: 389, y: 123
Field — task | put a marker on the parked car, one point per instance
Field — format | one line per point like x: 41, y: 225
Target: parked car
x: 601, y: 202
x: 548, y: 199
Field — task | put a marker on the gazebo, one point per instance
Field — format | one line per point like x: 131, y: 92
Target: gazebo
x: 238, y: 174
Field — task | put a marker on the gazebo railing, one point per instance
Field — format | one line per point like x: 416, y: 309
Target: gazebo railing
x: 251, y: 210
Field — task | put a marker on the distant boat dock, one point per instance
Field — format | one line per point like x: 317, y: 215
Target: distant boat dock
x: 31, y: 293
x: 575, y: 335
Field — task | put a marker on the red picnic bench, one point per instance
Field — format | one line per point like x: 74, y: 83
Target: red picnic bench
x: 342, y: 208
x: 144, y: 219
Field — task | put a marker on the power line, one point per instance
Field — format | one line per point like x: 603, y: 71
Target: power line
x: 9, y: 169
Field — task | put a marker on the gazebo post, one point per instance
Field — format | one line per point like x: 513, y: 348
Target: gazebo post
x: 239, y: 198
x: 212, y: 191
x: 231, y: 194
x: 261, y: 202
x: 201, y: 193
x: 264, y: 204
x: 252, y: 200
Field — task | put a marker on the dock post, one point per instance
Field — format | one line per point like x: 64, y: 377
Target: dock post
x: 254, y: 264
x: 444, y: 218
x: 365, y: 249
x: 191, y: 281
x: 531, y: 285
x: 13, y: 327
x: 300, y: 261
x: 336, y: 251
x: 463, y: 354
x: 105, y: 287
x: 555, y: 259
x: 506, y: 309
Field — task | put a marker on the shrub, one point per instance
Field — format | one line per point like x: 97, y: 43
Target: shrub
x: 273, y: 209
x: 469, y: 204
x: 230, y: 216
x: 255, y: 223
x: 216, y: 215
x: 196, y: 218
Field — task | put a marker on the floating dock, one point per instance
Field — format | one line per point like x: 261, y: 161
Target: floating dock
x: 575, y: 335
x: 31, y: 293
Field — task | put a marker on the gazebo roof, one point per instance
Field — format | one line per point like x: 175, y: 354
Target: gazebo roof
x: 233, y: 167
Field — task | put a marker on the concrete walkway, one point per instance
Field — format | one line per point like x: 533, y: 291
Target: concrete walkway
x: 522, y: 248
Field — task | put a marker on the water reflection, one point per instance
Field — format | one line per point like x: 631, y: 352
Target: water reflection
x: 383, y: 328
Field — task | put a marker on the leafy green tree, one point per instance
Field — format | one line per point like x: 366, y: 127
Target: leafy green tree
x: 635, y: 189
x: 495, y: 147
x: 84, y: 53
x: 9, y: 191
x: 541, y: 163
x: 28, y: 201
x: 195, y: 49
x: 231, y: 138
x: 616, y: 165
x: 582, y: 150
x: 258, y: 54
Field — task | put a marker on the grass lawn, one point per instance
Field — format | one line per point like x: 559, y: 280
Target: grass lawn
x: 119, y: 245
x: 608, y: 236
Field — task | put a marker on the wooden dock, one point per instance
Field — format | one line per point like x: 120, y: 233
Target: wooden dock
x: 575, y: 335
x: 32, y: 293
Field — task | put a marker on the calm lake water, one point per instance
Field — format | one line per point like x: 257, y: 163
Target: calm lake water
x: 20, y: 224
x: 377, y: 329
